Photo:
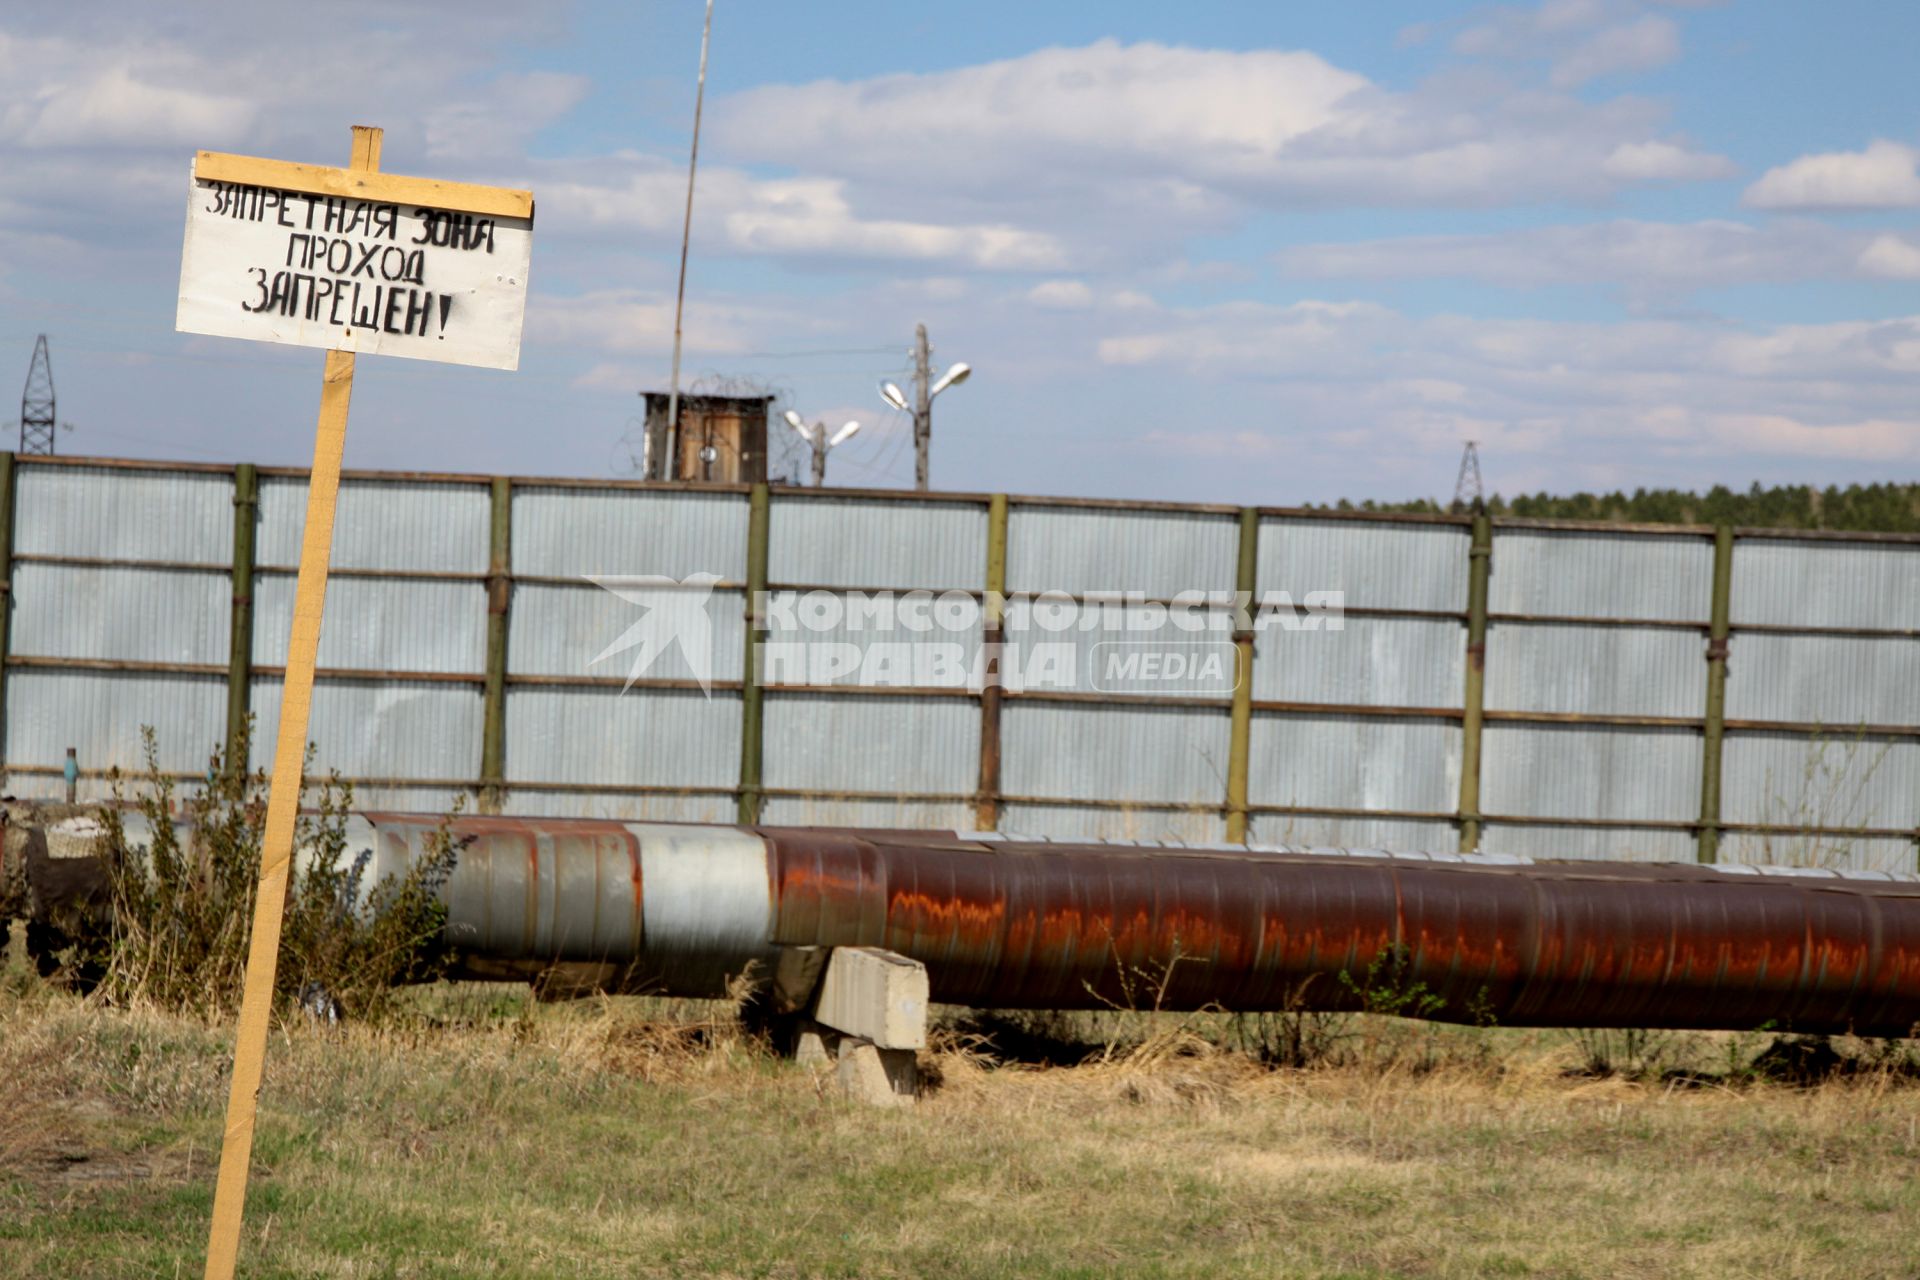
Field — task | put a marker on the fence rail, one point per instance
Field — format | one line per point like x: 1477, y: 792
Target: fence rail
x: 1516, y: 685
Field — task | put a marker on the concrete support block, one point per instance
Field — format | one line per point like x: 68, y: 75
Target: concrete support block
x: 815, y: 1045
x: 874, y: 995
x: 868, y: 1017
x: 796, y: 976
x: 876, y: 1076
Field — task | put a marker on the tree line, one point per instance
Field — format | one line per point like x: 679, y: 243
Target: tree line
x: 1876, y: 508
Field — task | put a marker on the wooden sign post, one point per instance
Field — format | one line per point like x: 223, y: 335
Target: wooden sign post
x: 350, y: 260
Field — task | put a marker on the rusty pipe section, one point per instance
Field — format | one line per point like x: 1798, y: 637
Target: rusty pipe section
x: 625, y: 905
x: 1010, y: 924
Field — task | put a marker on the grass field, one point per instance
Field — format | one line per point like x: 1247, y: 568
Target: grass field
x: 494, y: 1137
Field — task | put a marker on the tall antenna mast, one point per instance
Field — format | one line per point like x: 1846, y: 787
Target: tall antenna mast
x: 664, y: 458
x: 1467, y: 493
x: 36, y: 403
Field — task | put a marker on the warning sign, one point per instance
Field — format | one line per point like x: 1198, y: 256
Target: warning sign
x: 350, y: 261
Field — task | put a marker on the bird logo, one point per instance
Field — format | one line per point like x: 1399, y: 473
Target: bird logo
x: 675, y: 612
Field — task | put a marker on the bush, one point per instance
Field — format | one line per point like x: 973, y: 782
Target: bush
x: 176, y: 933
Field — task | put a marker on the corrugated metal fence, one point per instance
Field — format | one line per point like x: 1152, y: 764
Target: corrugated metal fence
x: 1521, y: 686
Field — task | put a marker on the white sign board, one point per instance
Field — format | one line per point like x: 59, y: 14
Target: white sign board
x: 348, y: 274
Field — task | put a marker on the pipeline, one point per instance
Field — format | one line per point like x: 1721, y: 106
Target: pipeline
x: 1008, y: 923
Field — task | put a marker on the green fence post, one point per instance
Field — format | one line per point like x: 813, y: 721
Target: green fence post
x: 750, y: 671
x: 1716, y: 723
x: 1240, y: 738
x: 493, y: 731
x: 6, y: 590
x: 986, y: 808
x: 246, y: 511
x: 1479, y: 570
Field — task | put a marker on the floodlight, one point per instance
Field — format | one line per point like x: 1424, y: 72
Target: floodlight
x: 953, y: 377
x: 843, y: 435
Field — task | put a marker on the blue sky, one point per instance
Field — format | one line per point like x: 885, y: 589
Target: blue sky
x: 1233, y: 252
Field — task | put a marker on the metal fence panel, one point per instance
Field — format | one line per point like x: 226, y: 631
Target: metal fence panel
x: 1836, y: 780
x: 1589, y: 574
x: 419, y: 526
x: 1098, y: 647
x: 562, y: 532
x: 846, y: 811
x: 1603, y: 844
x: 1832, y: 680
x: 1871, y: 585
x: 380, y: 624
x: 690, y: 806
x: 1080, y: 550
x: 1396, y: 835
x: 1385, y: 662
x: 876, y: 543
x: 99, y: 715
x: 1338, y: 762
x: 648, y: 737
x: 899, y: 746
x: 1597, y: 670
x: 558, y: 630
x: 1124, y: 752
x: 1378, y: 566
x: 1590, y: 771
x: 1109, y: 761
x: 135, y: 615
x: 434, y: 800
x: 411, y: 729
x: 828, y: 638
x: 1080, y: 822
x: 113, y: 514
x: 1836, y: 853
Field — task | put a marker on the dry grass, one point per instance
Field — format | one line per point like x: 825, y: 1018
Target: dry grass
x: 490, y: 1136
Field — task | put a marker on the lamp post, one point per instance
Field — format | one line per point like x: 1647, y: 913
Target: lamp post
x: 816, y: 436
x: 923, y: 393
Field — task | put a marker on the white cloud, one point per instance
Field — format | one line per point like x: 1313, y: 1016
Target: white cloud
x: 799, y: 217
x: 1205, y: 107
x: 510, y: 110
x: 1658, y: 161
x: 1578, y: 40
x: 1640, y: 45
x: 1248, y: 336
x: 627, y: 321
x: 1875, y: 440
x: 112, y: 107
x: 1086, y: 174
x: 1152, y: 136
x: 1890, y: 258
x: 1881, y: 177
x: 100, y: 112
x: 813, y: 217
x: 1521, y: 33
x: 1061, y: 295
x: 1646, y: 259
x: 1078, y: 295
x: 1653, y: 393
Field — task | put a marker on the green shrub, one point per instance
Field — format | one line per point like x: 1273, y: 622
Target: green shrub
x: 180, y: 914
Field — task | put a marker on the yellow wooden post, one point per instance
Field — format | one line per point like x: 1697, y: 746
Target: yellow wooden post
x: 1240, y: 726
x: 283, y: 797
